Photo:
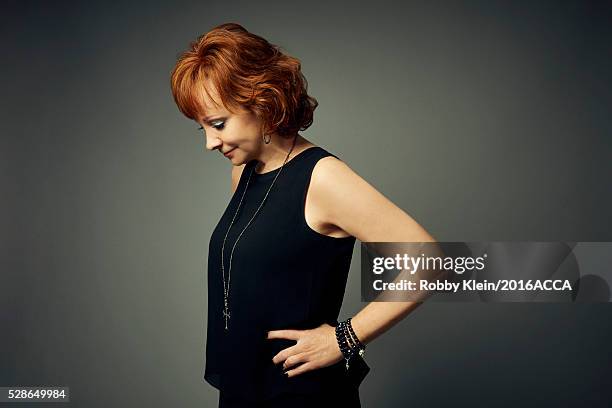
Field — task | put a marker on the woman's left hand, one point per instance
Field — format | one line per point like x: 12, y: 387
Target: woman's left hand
x: 315, y: 348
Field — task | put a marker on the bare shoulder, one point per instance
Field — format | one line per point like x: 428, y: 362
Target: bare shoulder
x: 345, y: 200
x: 332, y: 177
x: 236, y: 173
x: 330, y: 171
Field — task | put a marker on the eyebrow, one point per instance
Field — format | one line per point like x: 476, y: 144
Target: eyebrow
x: 209, y: 118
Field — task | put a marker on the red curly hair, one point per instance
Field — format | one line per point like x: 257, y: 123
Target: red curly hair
x: 248, y: 73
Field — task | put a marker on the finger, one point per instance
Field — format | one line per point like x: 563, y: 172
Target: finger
x: 295, y: 359
x: 308, y: 366
x: 285, y: 353
x: 284, y: 334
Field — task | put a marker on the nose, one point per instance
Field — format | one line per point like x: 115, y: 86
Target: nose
x: 213, y: 143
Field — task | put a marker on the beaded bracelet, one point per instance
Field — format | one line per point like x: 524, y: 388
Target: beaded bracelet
x: 359, y: 344
x: 342, y: 343
x: 348, y: 341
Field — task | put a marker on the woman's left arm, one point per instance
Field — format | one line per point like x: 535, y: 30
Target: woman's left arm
x: 349, y: 202
x: 352, y: 204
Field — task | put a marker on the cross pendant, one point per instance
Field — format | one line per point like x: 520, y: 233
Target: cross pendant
x: 226, y: 315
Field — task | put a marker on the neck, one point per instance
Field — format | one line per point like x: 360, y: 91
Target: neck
x: 273, y: 155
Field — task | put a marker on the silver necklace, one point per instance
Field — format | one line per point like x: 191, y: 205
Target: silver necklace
x: 226, y: 286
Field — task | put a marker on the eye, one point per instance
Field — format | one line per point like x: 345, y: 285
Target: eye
x: 219, y: 125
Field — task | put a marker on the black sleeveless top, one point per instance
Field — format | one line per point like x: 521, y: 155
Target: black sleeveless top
x: 284, y: 275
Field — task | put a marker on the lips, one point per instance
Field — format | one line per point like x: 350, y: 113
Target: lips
x: 228, y: 152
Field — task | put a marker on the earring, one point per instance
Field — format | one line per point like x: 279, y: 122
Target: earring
x: 266, y: 141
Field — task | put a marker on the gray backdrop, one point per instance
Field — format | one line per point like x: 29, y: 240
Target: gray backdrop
x: 483, y: 120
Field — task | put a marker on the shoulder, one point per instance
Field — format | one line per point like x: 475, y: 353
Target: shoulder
x: 346, y: 200
x: 329, y: 172
x: 333, y: 186
x: 236, y: 174
x: 333, y: 192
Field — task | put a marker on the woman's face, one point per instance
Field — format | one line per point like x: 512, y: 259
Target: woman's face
x: 236, y: 135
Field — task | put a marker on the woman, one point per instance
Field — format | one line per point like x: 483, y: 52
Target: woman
x: 279, y: 257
